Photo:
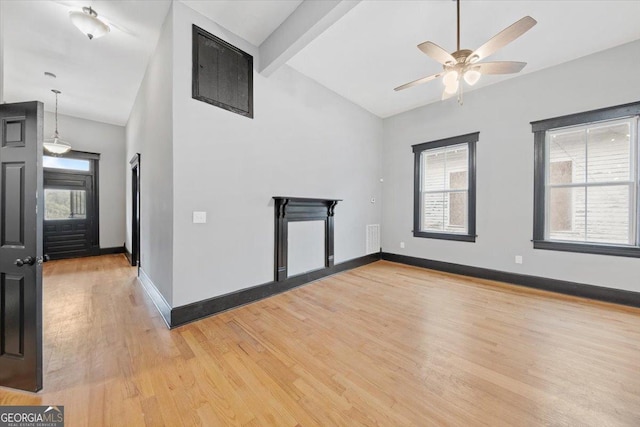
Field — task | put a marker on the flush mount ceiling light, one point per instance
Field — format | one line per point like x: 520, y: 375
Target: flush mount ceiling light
x: 88, y: 22
x: 463, y: 63
x: 56, y: 145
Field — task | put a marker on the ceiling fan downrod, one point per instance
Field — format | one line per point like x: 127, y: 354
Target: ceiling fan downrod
x: 458, y: 31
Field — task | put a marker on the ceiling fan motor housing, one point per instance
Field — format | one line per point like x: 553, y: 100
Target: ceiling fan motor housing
x: 461, y: 55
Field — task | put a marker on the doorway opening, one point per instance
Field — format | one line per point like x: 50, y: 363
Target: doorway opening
x: 71, y: 218
x: 135, y: 210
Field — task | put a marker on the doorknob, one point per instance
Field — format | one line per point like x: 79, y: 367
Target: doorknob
x: 28, y: 261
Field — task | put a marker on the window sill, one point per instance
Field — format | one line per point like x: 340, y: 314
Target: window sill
x: 445, y: 236
x: 588, y: 248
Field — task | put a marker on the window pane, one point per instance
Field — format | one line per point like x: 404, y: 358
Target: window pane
x: 457, y: 161
x: 433, y: 212
x: 64, y: 204
x: 457, y: 210
x: 566, y: 220
x: 608, y: 214
x: 609, y: 153
x: 458, y: 180
x: 433, y: 170
x: 439, y: 163
x: 561, y: 172
x: 568, y: 147
x: 561, y: 202
x: 65, y: 163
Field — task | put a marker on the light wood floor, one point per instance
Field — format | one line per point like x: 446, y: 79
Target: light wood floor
x: 383, y: 345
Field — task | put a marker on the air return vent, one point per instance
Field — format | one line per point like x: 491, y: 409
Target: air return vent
x: 373, y: 238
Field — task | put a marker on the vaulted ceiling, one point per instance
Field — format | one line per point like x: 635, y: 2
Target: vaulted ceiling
x: 362, y: 55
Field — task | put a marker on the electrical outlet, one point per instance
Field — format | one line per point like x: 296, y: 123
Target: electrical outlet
x: 199, y: 217
x: 401, y: 245
x: 518, y: 259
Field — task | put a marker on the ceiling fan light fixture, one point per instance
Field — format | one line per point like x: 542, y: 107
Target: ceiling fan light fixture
x: 472, y: 76
x: 452, y: 87
x: 450, y: 78
x: 88, y: 22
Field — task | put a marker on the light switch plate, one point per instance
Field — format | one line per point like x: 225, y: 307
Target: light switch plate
x: 199, y: 217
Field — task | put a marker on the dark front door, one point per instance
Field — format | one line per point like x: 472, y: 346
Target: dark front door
x: 21, y: 245
x: 68, y: 214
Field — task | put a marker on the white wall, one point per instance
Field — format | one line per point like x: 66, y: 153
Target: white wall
x: 109, y: 141
x: 149, y: 132
x: 502, y: 113
x: 304, y: 141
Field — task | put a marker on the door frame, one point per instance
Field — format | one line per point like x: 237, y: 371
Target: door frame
x: 94, y: 174
x: 135, y: 210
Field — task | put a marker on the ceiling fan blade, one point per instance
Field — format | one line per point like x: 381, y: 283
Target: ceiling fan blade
x: 503, y: 38
x: 499, y: 67
x: 436, y: 52
x: 418, y: 82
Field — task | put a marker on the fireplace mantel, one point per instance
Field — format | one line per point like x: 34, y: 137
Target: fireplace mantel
x: 301, y: 209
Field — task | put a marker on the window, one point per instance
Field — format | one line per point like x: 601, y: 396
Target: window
x: 83, y: 165
x: 444, y: 188
x: 65, y: 204
x: 587, y: 182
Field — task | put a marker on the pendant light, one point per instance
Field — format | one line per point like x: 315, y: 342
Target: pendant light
x: 88, y: 22
x: 56, y: 145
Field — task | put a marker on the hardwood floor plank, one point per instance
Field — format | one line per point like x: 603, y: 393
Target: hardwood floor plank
x: 384, y: 344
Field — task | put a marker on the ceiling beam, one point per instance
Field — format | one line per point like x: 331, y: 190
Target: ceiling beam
x: 307, y: 22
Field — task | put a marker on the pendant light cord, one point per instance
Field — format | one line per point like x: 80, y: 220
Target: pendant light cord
x: 56, y: 113
x: 57, y: 92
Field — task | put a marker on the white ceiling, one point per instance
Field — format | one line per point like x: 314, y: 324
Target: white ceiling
x: 372, y: 49
x: 253, y: 20
x: 362, y: 56
x: 99, y: 79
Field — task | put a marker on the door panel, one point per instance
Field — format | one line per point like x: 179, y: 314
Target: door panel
x: 21, y: 210
x: 13, y: 203
x: 12, y: 314
x: 68, y: 230
x: 65, y: 239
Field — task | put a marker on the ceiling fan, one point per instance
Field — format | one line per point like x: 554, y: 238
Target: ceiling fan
x: 463, y: 63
